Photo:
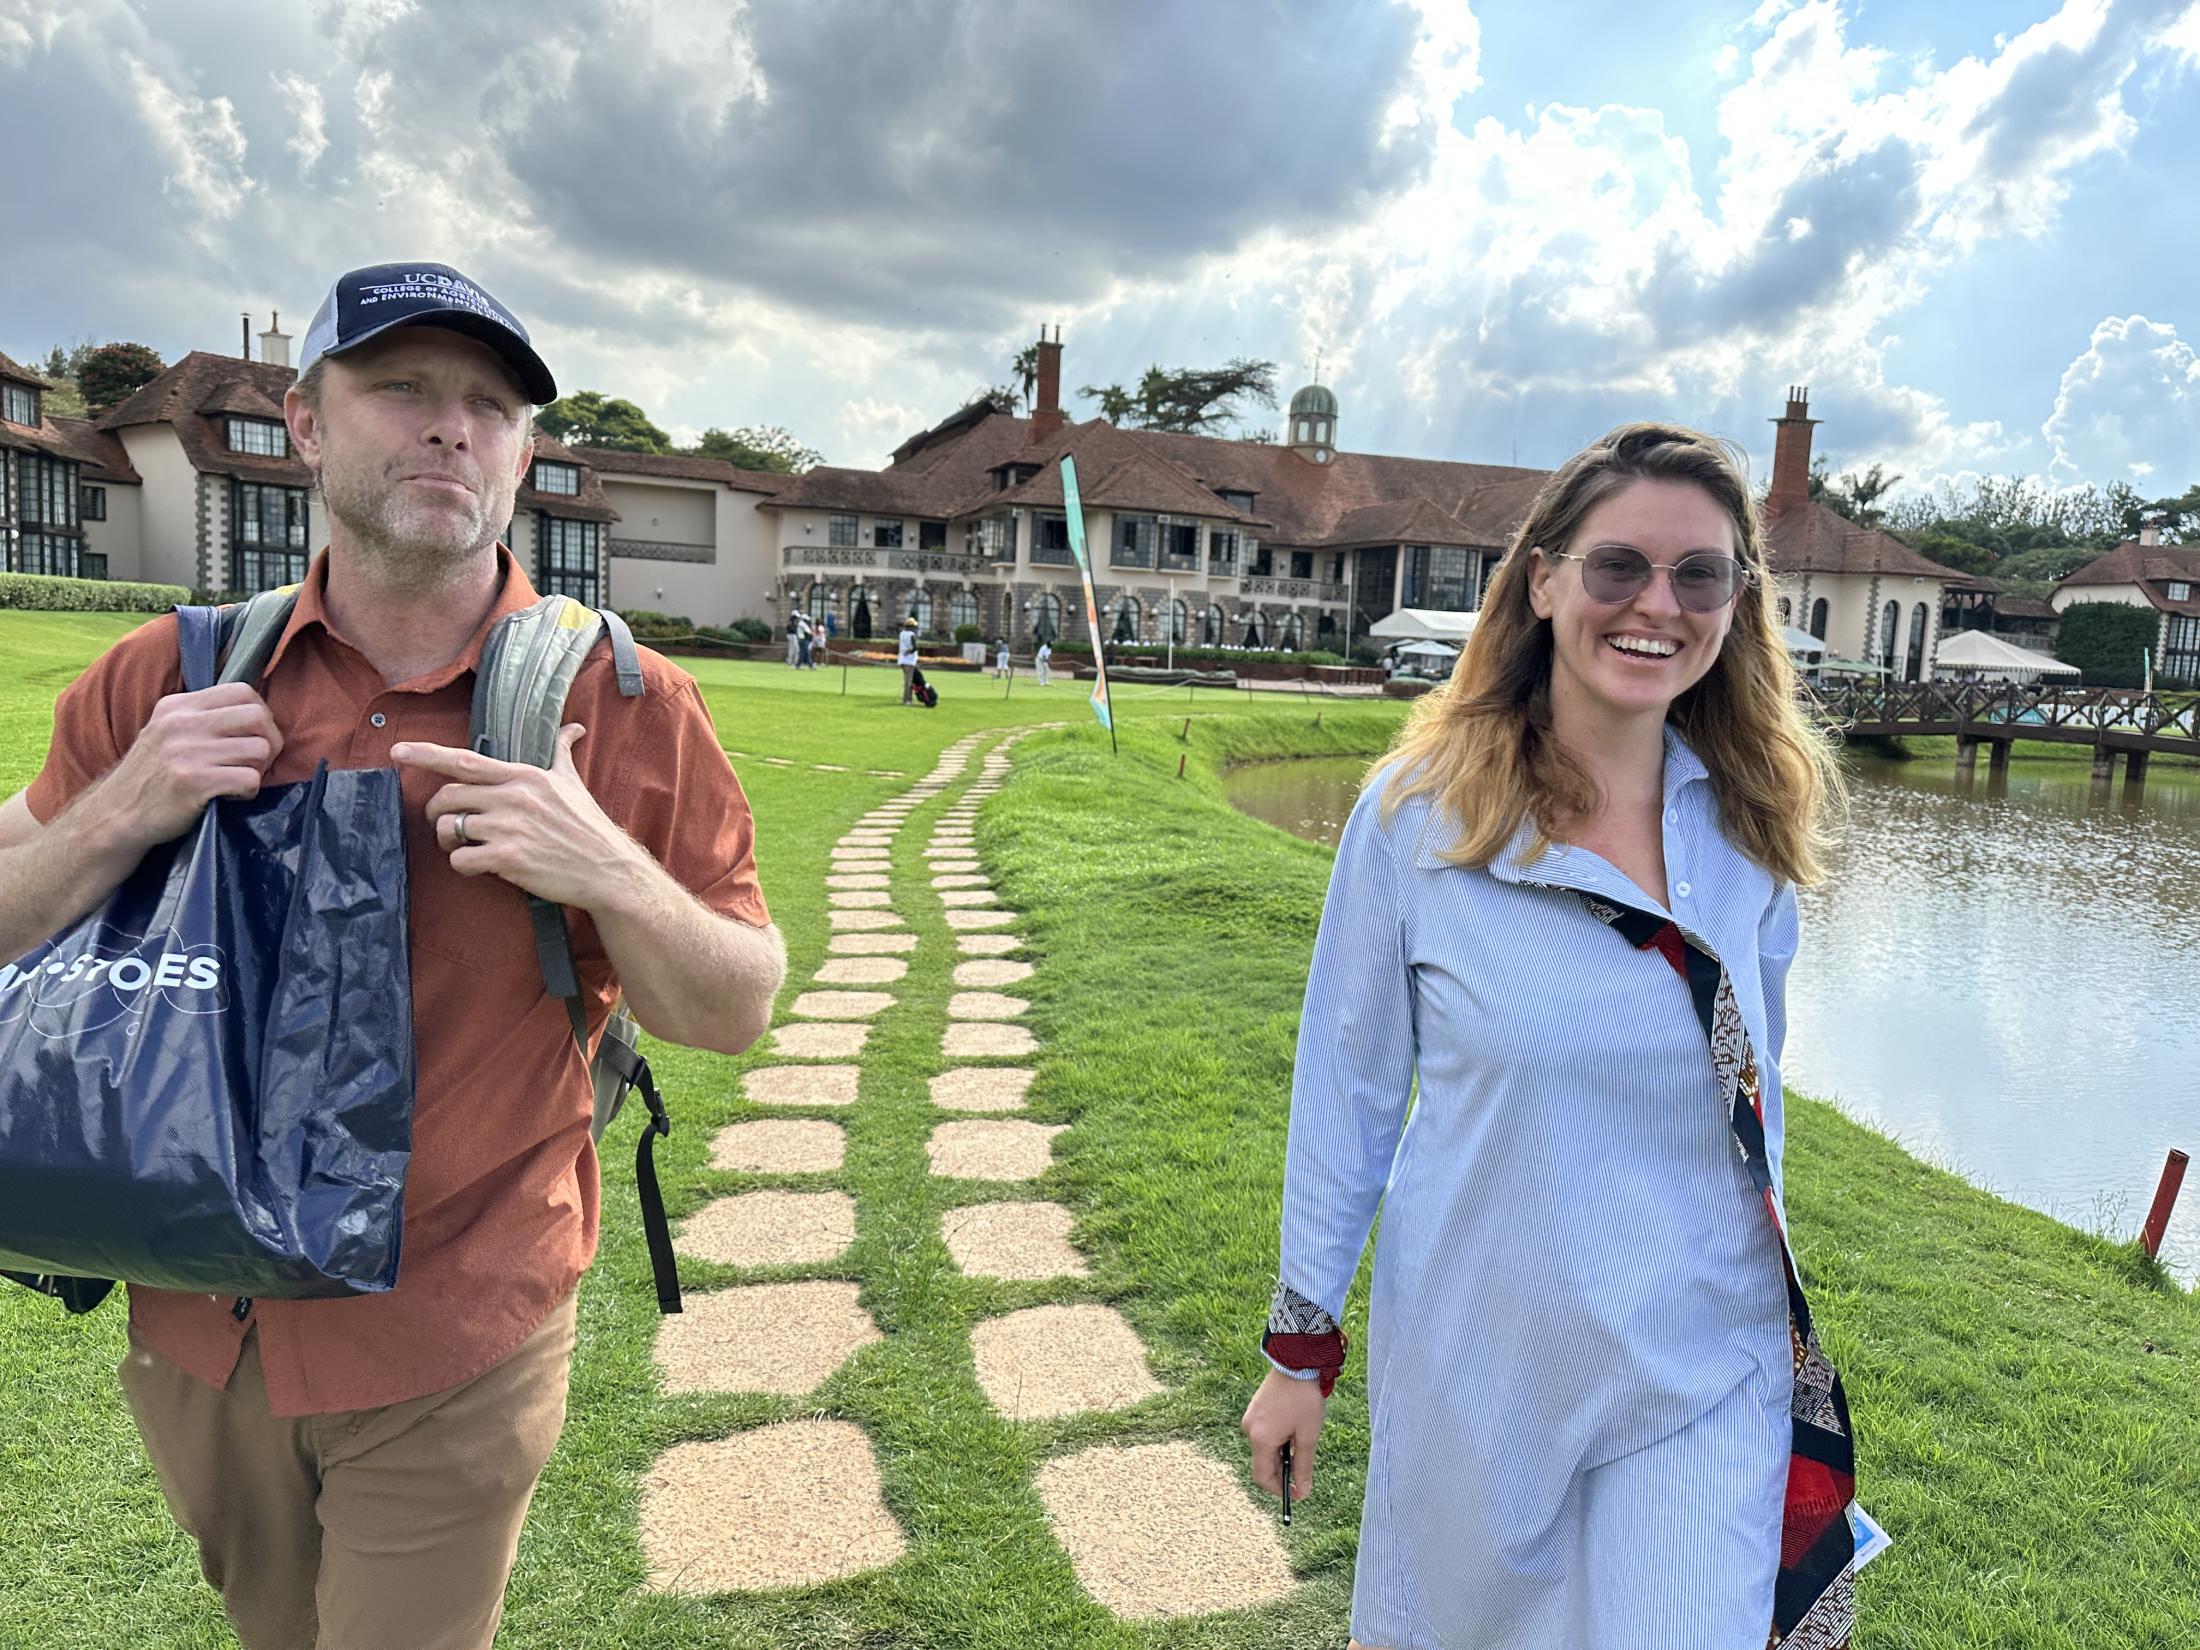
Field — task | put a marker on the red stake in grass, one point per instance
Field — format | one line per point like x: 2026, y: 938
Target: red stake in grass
x: 2165, y: 1199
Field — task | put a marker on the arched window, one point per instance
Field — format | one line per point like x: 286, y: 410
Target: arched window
x: 920, y: 603
x: 1889, y: 622
x: 962, y: 609
x: 1210, y: 627
x: 1920, y: 618
x: 1818, y: 618
x: 859, y: 613
x: 1305, y: 430
x: 818, y: 603
x: 1179, y: 622
x: 1787, y: 611
x: 1292, y: 632
x: 1046, y: 623
x: 1126, y: 620
x: 1251, y: 635
x: 1327, y: 628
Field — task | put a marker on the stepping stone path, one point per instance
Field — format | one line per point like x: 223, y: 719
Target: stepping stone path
x: 799, y: 1503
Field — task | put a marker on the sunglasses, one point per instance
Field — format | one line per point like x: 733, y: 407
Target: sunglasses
x: 1702, y: 582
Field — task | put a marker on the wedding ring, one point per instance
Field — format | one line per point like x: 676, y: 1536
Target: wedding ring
x: 458, y: 828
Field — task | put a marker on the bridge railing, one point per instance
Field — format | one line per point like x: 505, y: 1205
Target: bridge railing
x: 2086, y: 710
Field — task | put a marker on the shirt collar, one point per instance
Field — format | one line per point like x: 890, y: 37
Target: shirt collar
x: 514, y: 594
x: 1563, y: 867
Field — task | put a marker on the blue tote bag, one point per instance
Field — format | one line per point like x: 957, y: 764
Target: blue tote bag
x: 207, y: 1083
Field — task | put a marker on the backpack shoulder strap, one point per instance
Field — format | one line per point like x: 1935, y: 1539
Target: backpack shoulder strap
x: 528, y: 662
x: 233, y: 643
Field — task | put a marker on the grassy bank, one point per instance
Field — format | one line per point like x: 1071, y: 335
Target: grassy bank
x: 2027, y: 1413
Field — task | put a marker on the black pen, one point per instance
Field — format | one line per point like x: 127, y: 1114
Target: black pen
x: 1287, y: 1481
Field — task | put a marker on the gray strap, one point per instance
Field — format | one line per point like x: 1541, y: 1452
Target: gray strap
x: 626, y: 660
x: 249, y: 631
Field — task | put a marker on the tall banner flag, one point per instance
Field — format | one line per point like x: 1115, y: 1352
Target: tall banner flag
x: 1076, y: 511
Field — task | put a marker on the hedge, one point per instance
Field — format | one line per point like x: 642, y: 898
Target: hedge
x: 2108, y: 641
x: 47, y: 594
x: 1202, y: 655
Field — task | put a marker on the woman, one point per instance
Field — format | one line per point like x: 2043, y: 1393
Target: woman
x: 1599, y: 1416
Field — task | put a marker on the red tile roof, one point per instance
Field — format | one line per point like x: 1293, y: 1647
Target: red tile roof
x: 15, y: 373
x: 101, y: 452
x: 1814, y: 538
x: 683, y: 467
x: 2151, y: 567
x: 588, y: 504
x: 196, y: 397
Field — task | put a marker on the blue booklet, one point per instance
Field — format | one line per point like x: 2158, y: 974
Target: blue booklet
x: 1871, y: 1540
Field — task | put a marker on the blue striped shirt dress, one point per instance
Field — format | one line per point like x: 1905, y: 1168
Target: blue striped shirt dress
x: 1579, y: 1359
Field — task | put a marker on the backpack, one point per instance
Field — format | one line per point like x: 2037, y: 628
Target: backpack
x: 528, y: 662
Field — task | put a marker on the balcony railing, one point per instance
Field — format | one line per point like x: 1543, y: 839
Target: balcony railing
x: 935, y: 561
x: 662, y: 550
x: 1320, y: 590
x: 830, y: 555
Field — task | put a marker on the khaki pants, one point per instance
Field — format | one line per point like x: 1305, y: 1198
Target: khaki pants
x: 365, y: 1530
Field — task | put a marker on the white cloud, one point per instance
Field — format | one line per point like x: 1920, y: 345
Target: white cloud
x: 2130, y: 405
x: 2183, y: 37
x: 199, y: 139
x: 309, y: 141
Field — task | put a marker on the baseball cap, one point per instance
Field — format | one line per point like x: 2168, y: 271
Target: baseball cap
x: 365, y: 303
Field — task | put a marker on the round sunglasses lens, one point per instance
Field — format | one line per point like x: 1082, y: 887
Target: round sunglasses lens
x: 1703, y: 584
x: 1615, y: 575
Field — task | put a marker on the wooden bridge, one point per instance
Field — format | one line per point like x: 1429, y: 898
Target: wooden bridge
x: 2114, y: 722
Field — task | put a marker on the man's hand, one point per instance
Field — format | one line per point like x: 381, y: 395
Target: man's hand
x: 537, y: 828
x: 1284, y: 1410
x: 193, y: 748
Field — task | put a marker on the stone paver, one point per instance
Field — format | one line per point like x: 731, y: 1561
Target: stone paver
x: 770, y: 1228
x: 775, y: 1145
x: 984, y: 1149
x: 866, y: 838
x: 962, y: 879
x: 987, y: 1040
x: 865, y: 856
x: 862, y: 921
x: 979, y: 919
x: 841, y: 1005
x: 982, y: 1088
x: 818, y: 1041
x: 859, y: 879
x: 1021, y: 1242
x: 859, y: 899
x: 792, y: 1505
x: 871, y: 945
x: 861, y: 971
x: 1198, y: 1544
x: 985, y: 1005
x: 962, y: 899
x: 1060, y: 1360
x: 955, y: 866
x: 801, y: 1085
x: 988, y: 945
x: 991, y: 973
x: 769, y: 1337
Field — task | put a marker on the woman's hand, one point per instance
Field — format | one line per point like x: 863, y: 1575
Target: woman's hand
x: 1282, y: 1411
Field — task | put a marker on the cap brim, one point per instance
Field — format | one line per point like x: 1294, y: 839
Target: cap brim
x: 534, y: 378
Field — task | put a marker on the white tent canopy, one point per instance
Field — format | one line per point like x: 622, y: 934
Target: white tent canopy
x: 1422, y: 624
x: 1802, y: 641
x: 1976, y: 652
x: 1430, y: 650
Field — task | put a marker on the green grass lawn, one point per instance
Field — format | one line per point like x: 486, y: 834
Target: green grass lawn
x: 2025, y: 1395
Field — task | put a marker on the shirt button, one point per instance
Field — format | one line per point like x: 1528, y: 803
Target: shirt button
x: 378, y: 719
x: 1672, y: 816
x: 1681, y: 888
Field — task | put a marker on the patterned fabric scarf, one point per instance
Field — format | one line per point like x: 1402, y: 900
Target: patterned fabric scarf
x: 1814, y: 1599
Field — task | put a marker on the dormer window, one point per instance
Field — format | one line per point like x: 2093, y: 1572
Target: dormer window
x: 1234, y: 499
x: 263, y: 436
x: 2180, y: 590
x: 19, y: 405
x: 557, y: 478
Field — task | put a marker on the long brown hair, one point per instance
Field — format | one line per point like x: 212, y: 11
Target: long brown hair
x: 1481, y: 744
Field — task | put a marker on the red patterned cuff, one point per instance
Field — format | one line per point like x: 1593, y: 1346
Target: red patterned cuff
x: 1322, y: 1352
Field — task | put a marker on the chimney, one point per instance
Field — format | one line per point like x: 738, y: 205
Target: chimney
x: 275, y: 342
x: 1046, y: 406
x: 2150, y: 532
x: 1791, y: 453
x: 244, y: 334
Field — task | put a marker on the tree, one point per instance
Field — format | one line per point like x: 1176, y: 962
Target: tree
x: 999, y: 397
x: 2178, y: 518
x: 586, y: 418
x: 65, y: 400
x: 1852, y: 495
x: 1025, y: 370
x: 759, y: 447
x: 1188, y: 400
x: 110, y: 373
x: 2108, y: 641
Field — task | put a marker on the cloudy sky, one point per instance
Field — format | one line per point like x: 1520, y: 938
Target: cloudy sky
x: 1968, y: 227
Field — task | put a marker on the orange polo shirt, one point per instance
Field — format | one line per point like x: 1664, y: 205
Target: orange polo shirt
x: 502, y: 1199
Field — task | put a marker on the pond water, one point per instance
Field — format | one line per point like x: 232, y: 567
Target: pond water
x: 2004, y: 978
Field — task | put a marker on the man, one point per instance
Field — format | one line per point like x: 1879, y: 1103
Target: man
x: 905, y: 654
x: 1042, y: 657
x: 356, y: 1471
x: 794, y: 641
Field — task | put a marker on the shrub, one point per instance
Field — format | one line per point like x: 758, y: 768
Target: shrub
x: 968, y: 633
x: 749, y: 630
x: 1199, y: 655
x: 2108, y: 641
x: 47, y: 594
